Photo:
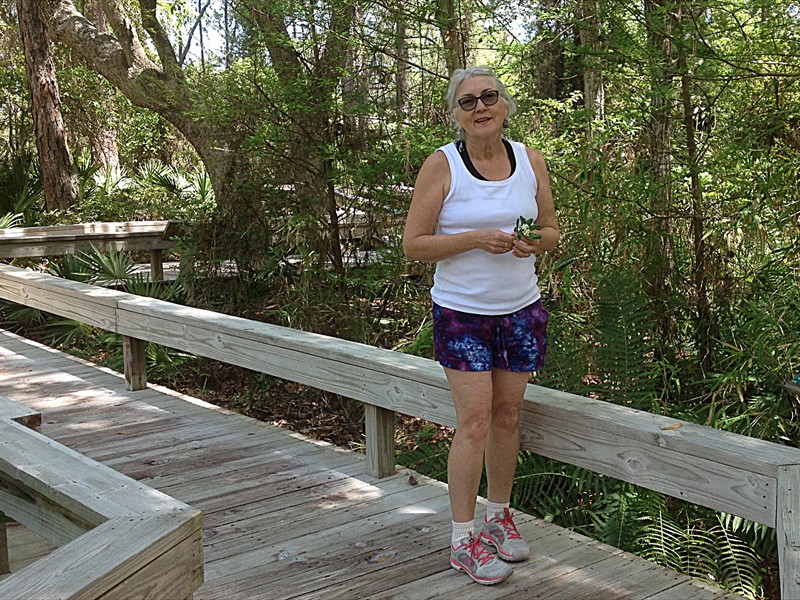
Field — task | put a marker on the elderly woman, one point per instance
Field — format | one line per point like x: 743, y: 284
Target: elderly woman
x: 488, y: 319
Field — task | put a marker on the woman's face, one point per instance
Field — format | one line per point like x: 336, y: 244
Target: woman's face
x: 481, y: 121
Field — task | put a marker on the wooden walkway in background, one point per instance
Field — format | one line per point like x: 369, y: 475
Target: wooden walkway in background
x: 289, y: 517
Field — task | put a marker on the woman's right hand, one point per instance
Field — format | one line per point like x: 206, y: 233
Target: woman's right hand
x: 494, y: 241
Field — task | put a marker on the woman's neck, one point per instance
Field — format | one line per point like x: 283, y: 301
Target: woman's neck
x: 485, y: 150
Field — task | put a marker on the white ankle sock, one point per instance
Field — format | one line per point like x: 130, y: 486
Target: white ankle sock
x: 493, y: 509
x: 462, y: 530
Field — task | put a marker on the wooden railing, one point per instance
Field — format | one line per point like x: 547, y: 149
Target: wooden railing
x: 743, y: 476
x: 115, y: 537
x: 153, y: 236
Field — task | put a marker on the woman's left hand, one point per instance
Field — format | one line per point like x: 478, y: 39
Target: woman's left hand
x: 524, y: 248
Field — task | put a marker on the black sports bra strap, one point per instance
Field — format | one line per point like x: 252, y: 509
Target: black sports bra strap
x: 462, y: 151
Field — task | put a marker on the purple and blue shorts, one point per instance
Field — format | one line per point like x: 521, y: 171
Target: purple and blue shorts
x: 513, y: 342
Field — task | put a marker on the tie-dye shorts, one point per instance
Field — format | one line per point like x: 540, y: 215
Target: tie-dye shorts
x: 513, y: 342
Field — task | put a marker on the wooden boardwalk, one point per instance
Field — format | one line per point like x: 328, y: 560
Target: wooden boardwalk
x: 290, y: 517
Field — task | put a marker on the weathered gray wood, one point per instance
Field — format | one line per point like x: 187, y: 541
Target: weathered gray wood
x: 5, y: 565
x: 105, y: 557
x: 87, y: 508
x: 70, y: 299
x: 789, y: 530
x: 177, y: 573
x: 713, y: 468
x: 379, y: 429
x: 342, y: 534
x: 157, y: 264
x: 69, y: 239
x: 32, y: 419
x: 689, y: 473
x: 724, y: 471
x: 407, y: 384
x: 730, y: 472
x: 134, y: 353
x: 25, y: 547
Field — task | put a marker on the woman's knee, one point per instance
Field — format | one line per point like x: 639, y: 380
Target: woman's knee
x: 506, y: 417
x: 474, y: 430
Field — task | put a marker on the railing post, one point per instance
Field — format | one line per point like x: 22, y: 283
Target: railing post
x: 788, y: 529
x: 135, y: 360
x: 379, y: 426
x: 5, y: 564
x: 156, y: 265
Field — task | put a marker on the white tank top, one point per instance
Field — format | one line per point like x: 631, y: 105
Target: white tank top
x: 476, y: 281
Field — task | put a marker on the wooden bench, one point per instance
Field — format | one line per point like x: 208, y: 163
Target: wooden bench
x: 743, y: 476
x: 154, y: 236
x: 116, y: 537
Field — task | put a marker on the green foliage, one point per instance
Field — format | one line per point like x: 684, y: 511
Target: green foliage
x: 713, y: 553
x: 108, y: 269
x: 624, y: 346
x: 21, y: 189
x: 154, y: 191
x: 10, y: 220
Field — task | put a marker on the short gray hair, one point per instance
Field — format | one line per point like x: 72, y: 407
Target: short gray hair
x: 460, y: 76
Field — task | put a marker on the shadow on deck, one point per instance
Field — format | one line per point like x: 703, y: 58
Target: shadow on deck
x: 290, y: 517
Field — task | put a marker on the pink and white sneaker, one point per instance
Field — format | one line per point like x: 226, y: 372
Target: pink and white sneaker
x: 471, y: 557
x: 501, y: 533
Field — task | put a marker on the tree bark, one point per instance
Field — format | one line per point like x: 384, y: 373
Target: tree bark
x: 402, y: 64
x: 706, y: 327
x: 588, y: 13
x: 453, y: 18
x: 660, y: 263
x: 103, y: 136
x: 548, y: 56
x: 315, y: 83
x: 121, y: 58
x: 59, y: 178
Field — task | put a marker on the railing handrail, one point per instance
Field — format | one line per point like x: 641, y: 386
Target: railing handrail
x: 721, y: 470
x: 112, y: 532
x: 56, y: 240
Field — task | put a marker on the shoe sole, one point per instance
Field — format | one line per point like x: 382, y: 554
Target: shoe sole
x: 475, y: 578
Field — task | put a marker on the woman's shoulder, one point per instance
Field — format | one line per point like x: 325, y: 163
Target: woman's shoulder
x: 437, y: 161
x: 535, y: 156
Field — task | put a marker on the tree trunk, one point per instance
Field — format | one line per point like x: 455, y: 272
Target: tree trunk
x: 705, y: 331
x: 310, y: 116
x: 103, y: 137
x: 660, y: 263
x: 548, y: 56
x: 121, y: 58
x: 453, y: 19
x: 588, y: 13
x: 60, y: 181
x: 402, y: 65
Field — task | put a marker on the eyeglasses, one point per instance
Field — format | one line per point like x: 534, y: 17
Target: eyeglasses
x: 488, y: 98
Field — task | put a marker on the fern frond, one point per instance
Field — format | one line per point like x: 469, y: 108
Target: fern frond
x: 625, y: 348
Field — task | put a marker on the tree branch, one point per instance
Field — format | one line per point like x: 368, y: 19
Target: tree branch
x: 166, y: 52
x: 126, y: 34
x: 185, y: 51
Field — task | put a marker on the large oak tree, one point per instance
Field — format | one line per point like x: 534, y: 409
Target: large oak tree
x: 159, y: 84
x: 59, y: 178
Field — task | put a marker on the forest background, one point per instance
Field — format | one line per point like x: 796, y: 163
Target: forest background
x: 671, y: 132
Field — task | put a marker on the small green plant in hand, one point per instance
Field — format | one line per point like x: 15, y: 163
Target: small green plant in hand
x: 526, y: 229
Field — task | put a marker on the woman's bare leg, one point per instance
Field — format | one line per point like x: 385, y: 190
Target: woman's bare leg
x: 502, y: 445
x: 472, y: 397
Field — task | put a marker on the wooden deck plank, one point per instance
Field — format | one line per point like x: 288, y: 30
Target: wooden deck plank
x: 359, y: 521
x: 24, y: 547
x: 417, y: 557
x: 287, y: 517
